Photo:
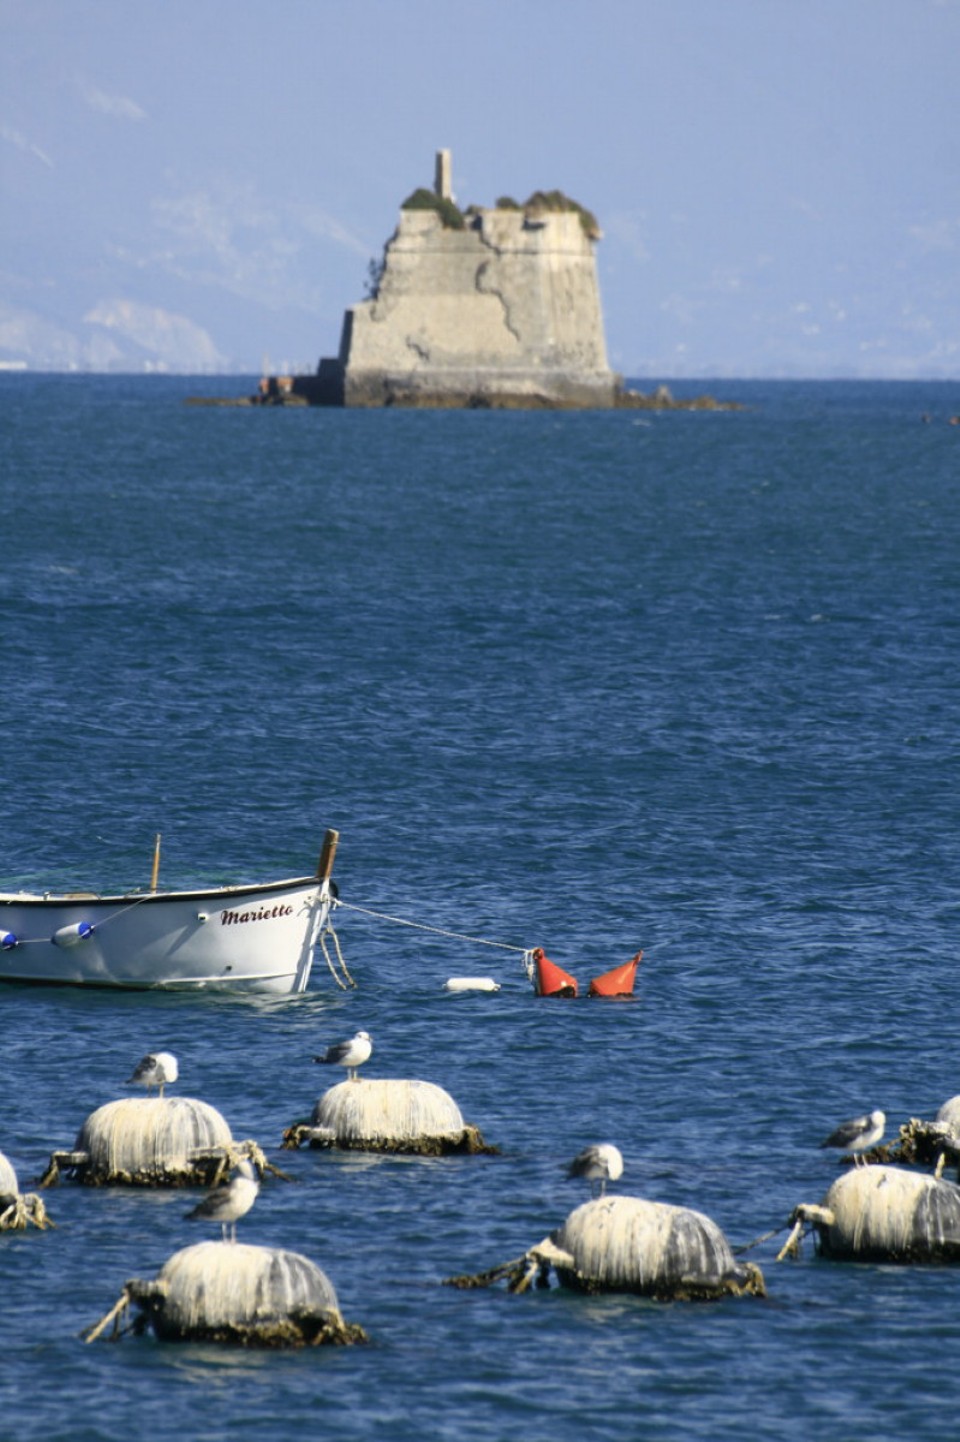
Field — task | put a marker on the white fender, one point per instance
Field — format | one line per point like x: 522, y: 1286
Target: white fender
x: 72, y: 935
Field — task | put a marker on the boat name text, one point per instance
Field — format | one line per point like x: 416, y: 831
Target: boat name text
x: 235, y: 918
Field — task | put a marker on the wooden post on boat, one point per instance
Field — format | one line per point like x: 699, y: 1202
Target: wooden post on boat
x: 155, y: 874
x: 326, y: 900
x: 325, y: 864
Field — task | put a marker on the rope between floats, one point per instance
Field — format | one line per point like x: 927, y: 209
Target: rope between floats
x: 435, y: 930
x: 114, y: 1315
x: 749, y: 1246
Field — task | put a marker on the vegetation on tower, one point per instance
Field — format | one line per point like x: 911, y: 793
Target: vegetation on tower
x: 424, y: 199
x: 555, y: 200
x: 539, y: 203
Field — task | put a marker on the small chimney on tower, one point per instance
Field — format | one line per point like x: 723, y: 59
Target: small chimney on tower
x: 443, y: 181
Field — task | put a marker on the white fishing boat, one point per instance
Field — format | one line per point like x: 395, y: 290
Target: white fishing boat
x: 249, y: 938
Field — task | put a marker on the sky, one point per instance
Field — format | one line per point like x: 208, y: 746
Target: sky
x: 201, y: 185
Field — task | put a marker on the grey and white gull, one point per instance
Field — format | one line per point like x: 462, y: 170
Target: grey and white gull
x: 597, y: 1165
x: 858, y: 1134
x: 156, y: 1069
x: 227, y: 1204
x: 350, y: 1054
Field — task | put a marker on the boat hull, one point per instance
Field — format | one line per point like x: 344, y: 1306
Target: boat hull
x: 256, y: 938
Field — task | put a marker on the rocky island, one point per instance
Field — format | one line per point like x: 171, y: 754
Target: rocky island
x: 495, y: 308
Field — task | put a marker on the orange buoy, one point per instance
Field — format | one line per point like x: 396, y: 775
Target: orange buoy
x: 619, y: 981
x: 550, y: 979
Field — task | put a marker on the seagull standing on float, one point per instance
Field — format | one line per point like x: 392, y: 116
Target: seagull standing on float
x: 351, y: 1054
x: 598, y: 1165
x: 156, y: 1069
x: 227, y: 1204
x: 858, y: 1135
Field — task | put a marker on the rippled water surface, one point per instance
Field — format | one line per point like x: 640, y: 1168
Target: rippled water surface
x: 594, y: 682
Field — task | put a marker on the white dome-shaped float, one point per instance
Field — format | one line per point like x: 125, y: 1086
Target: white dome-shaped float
x: 949, y: 1116
x: 152, y: 1142
x: 383, y: 1115
x: 236, y: 1293
x: 628, y: 1244
x: 883, y: 1214
x: 9, y: 1186
x: 18, y: 1210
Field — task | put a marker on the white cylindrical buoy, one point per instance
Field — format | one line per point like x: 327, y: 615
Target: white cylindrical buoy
x: 471, y: 983
x: 384, y: 1115
x: 68, y: 936
x: 629, y: 1244
x: 233, y: 1292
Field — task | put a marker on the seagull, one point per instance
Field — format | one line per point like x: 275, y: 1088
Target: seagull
x: 859, y: 1134
x: 227, y: 1203
x: 601, y: 1164
x: 351, y: 1054
x: 155, y: 1070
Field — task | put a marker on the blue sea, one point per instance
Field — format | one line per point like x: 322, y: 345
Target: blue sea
x: 589, y: 681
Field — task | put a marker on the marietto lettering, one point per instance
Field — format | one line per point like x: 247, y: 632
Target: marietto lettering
x: 236, y: 918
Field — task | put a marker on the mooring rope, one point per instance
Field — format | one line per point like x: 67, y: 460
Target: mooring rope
x: 434, y: 930
x: 336, y: 903
x: 23, y: 1209
x: 802, y: 1218
x: 328, y: 930
x: 467, y: 1281
x: 524, y: 952
x: 749, y: 1246
x: 791, y: 1247
x: 114, y: 1315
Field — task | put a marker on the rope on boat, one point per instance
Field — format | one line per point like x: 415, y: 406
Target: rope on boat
x: 121, y: 911
x: 343, y: 985
x: 434, y: 930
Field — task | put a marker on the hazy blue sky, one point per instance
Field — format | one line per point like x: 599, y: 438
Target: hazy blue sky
x: 202, y: 183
